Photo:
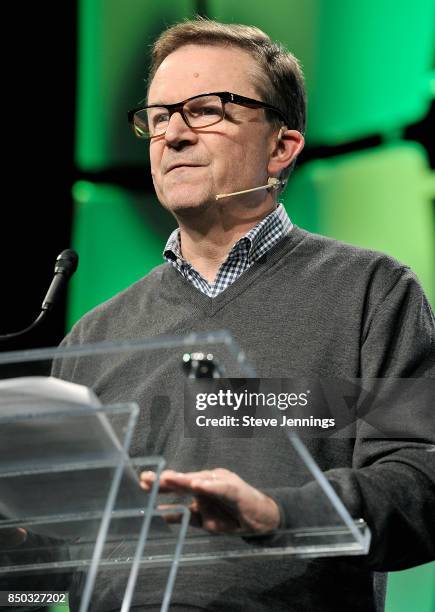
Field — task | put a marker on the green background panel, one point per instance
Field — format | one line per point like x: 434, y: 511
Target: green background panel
x: 378, y: 198
x: 367, y: 64
x: 113, y: 40
x: 119, y: 237
x: 412, y: 590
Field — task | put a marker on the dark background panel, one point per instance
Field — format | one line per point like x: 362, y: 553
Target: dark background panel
x: 38, y: 110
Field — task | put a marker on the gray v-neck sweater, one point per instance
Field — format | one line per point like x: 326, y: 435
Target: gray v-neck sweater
x: 311, y: 306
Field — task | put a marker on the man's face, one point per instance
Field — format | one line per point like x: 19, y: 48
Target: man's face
x: 229, y: 156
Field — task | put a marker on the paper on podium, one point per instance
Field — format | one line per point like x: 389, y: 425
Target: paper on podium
x: 16, y: 393
x: 58, y: 455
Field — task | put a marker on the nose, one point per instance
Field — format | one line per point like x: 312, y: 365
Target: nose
x: 178, y: 131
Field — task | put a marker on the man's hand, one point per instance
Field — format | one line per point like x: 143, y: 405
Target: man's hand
x: 222, y: 503
x: 12, y: 537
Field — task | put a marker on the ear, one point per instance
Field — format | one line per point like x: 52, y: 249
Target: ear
x: 285, y: 146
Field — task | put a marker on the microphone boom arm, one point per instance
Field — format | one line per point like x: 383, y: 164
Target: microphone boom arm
x: 272, y: 183
x: 66, y: 265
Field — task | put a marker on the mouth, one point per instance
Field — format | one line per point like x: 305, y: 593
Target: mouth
x: 180, y: 166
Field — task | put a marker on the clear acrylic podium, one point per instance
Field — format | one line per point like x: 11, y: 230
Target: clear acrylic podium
x: 70, y: 502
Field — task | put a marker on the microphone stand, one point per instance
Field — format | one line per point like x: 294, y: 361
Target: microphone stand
x: 65, y: 266
x: 26, y: 330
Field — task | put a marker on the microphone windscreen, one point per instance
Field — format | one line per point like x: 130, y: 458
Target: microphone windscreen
x: 66, y: 263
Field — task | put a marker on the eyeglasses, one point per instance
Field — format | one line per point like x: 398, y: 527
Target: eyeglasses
x: 198, y: 112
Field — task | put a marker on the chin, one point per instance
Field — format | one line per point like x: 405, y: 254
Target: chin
x: 187, y: 204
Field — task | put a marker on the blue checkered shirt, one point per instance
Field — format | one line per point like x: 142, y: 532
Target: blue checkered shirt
x: 244, y: 253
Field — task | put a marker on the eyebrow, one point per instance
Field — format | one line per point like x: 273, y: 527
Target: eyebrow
x: 205, y: 93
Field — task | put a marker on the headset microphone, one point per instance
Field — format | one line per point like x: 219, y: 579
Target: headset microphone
x: 272, y: 183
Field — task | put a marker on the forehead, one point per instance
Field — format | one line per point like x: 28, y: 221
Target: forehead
x: 196, y: 69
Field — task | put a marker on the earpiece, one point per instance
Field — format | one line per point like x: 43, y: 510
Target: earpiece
x: 282, y: 130
x: 273, y: 183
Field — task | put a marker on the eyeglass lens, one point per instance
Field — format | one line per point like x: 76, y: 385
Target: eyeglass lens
x: 199, y: 112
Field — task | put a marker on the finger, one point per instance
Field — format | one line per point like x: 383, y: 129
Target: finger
x: 202, y: 514
x: 147, y: 480
x: 221, y: 489
x: 12, y: 537
x: 191, y: 482
x: 170, y: 481
x: 185, y: 478
x: 176, y: 517
x: 170, y: 515
x: 165, y: 476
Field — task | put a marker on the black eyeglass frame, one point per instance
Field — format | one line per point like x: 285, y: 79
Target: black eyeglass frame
x: 225, y: 96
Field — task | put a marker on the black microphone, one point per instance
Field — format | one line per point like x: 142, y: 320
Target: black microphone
x: 64, y: 268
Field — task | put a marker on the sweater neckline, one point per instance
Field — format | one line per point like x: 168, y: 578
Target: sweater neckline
x: 212, y: 305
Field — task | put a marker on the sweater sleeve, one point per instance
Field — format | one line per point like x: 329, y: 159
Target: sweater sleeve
x: 391, y: 483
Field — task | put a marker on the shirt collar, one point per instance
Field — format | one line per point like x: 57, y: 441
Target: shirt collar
x: 275, y: 226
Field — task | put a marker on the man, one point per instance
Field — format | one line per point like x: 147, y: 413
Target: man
x: 225, y: 113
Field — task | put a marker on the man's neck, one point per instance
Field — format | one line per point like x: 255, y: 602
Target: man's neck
x: 206, y: 242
